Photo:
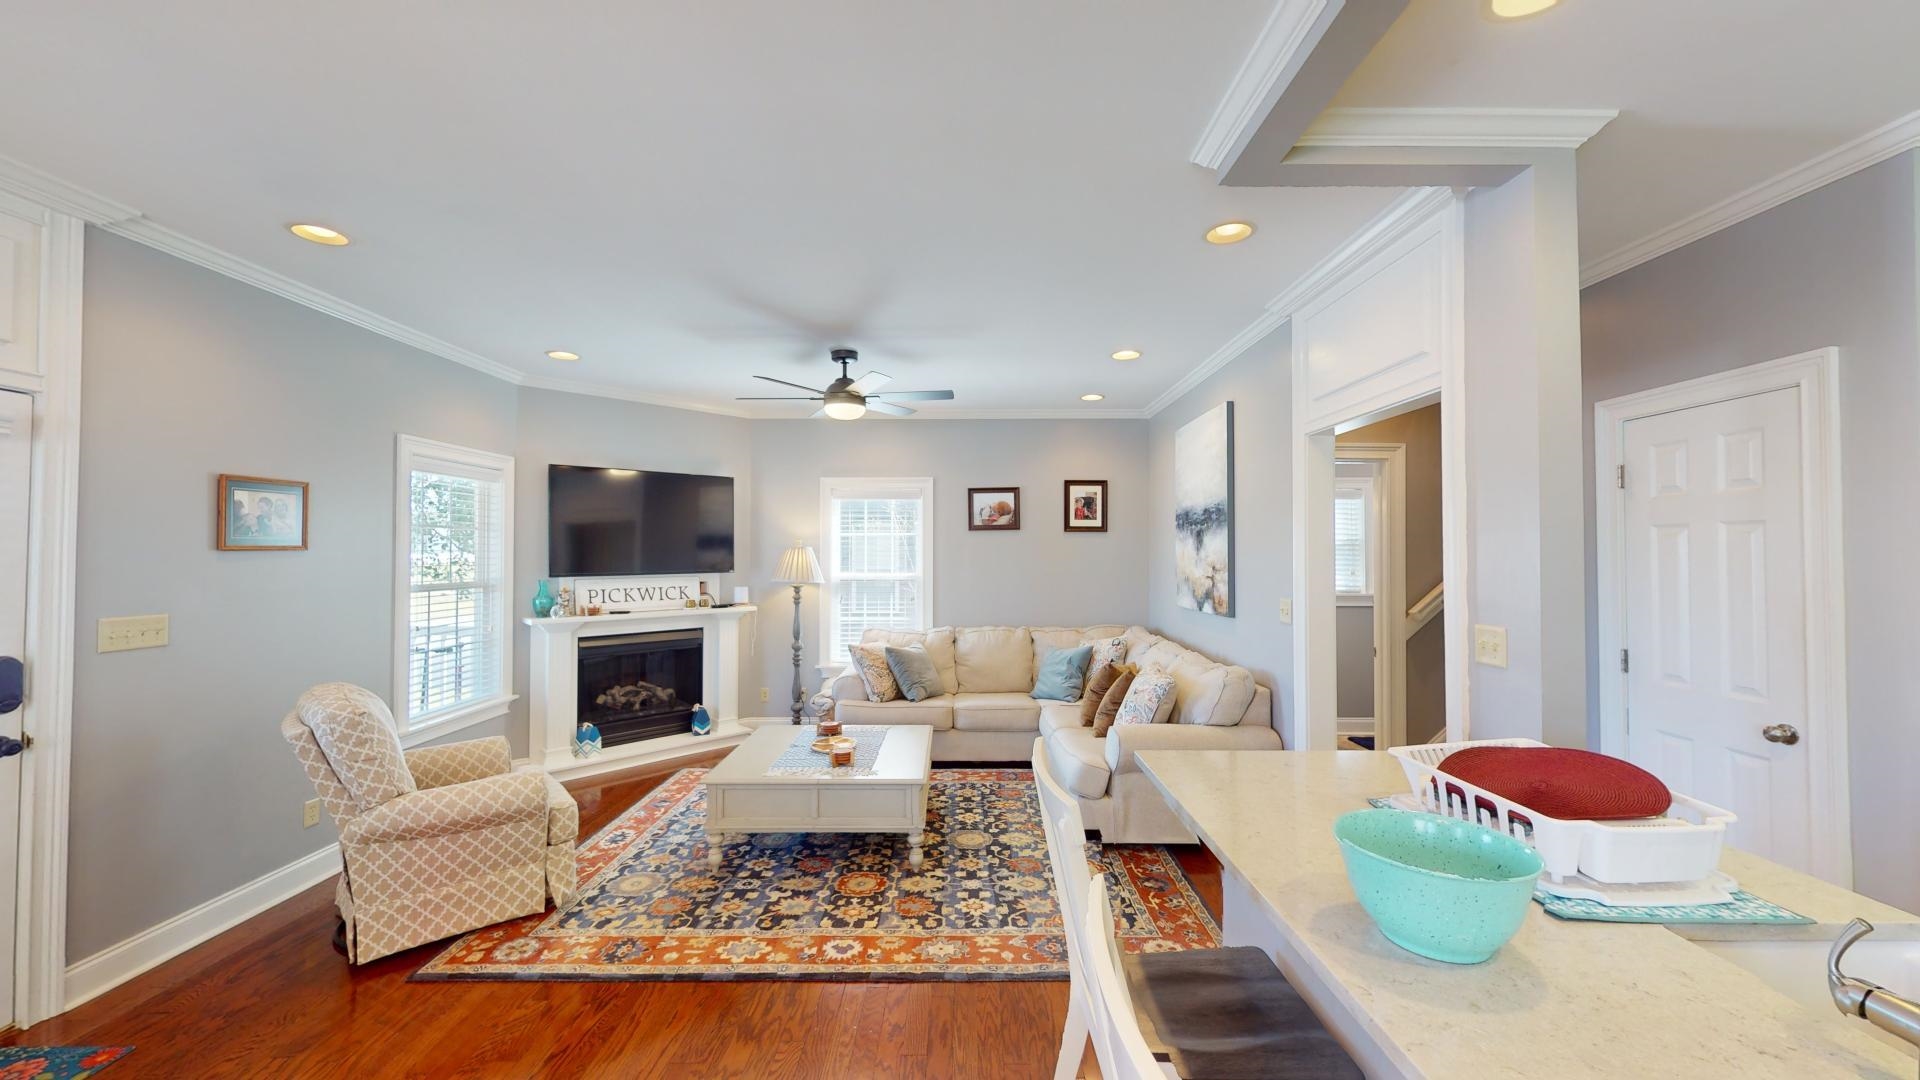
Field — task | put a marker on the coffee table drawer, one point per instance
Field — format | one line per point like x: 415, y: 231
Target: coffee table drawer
x: 866, y: 804
x: 761, y: 803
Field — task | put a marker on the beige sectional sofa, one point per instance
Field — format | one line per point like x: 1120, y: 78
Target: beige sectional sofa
x: 987, y: 714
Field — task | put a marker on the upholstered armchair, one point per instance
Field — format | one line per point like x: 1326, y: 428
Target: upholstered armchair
x: 436, y: 841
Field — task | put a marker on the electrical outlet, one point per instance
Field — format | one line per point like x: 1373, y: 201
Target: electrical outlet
x: 1286, y: 611
x: 764, y: 695
x: 1490, y: 645
x: 132, y: 632
x: 310, y: 815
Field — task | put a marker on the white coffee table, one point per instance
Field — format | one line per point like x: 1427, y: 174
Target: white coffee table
x: 742, y: 797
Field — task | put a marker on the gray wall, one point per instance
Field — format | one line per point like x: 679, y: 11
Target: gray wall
x: 1833, y: 267
x: 1421, y: 564
x: 1353, y: 659
x: 572, y: 429
x: 1037, y: 575
x: 1257, y: 384
x: 182, y: 786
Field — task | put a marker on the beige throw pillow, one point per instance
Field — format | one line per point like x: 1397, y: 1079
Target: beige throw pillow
x: 871, y: 662
x: 1111, y: 701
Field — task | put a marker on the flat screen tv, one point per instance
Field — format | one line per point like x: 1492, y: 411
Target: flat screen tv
x: 626, y: 521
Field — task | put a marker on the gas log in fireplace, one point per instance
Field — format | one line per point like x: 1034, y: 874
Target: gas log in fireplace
x: 640, y: 686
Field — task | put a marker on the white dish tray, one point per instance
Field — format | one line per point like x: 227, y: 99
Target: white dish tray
x: 1681, y: 846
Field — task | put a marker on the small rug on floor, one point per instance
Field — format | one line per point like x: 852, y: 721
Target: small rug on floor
x: 57, y: 1062
x: 830, y: 906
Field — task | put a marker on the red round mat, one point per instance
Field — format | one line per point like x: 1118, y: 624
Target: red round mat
x: 1574, y: 785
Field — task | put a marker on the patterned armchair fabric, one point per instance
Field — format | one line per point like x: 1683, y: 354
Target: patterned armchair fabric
x: 474, y: 841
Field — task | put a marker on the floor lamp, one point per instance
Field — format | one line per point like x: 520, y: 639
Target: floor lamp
x: 798, y: 567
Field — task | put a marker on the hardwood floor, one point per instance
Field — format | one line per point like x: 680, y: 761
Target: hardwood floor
x: 270, y: 998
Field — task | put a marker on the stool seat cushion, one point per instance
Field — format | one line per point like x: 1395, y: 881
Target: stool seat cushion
x: 1228, y: 1014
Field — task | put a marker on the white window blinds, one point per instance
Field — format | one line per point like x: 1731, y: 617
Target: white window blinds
x: 1351, y: 560
x: 876, y: 558
x: 454, y: 626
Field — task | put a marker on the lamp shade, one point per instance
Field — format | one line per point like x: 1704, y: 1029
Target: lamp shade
x: 799, y: 567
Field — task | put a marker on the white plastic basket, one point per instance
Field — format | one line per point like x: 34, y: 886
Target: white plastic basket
x: 1682, y: 845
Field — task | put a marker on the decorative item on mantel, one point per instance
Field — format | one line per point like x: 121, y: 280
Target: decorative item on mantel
x: 798, y: 567
x: 562, y: 604
x: 702, y: 720
x: 542, y: 601
x: 586, y: 740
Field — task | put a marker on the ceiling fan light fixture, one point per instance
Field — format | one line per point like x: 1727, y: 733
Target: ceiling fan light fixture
x: 846, y: 409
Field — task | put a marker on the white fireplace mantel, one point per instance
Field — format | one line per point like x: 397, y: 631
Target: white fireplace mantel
x: 553, y: 669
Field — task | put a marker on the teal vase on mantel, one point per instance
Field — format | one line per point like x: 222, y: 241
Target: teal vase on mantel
x: 542, y: 601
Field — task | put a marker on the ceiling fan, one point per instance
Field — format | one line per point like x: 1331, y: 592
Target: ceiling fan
x: 847, y: 398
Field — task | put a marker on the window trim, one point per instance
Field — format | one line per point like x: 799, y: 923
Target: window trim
x: 1369, y: 492
x: 410, y: 453
x: 920, y: 487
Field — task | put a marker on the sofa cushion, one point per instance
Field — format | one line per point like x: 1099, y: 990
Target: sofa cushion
x: 357, y: 736
x: 1048, y: 638
x: 1006, y: 711
x: 1139, y: 640
x: 870, y: 662
x: 936, y: 713
x: 1055, y: 715
x: 994, y: 659
x: 938, y: 642
x: 1079, y: 761
x: 1062, y: 675
x: 914, y: 670
x: 1207, y: 693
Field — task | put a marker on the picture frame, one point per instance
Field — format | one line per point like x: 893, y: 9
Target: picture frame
x: 1203, y: 482
x: 260, y: 513
x: 993, y: 509
x: 1084, y: 506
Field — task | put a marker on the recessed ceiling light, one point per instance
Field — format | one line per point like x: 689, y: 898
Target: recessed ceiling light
x: 562, y: 354
x: 319, y: 234
x: 1518, y: 9
x: 1229, y: 232
x: 1127, y: 354
x: 1093, y: 397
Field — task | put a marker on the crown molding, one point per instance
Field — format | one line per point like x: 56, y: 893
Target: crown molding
x: 56, y: 194
x: 1401, y: 217
x: 1508, y: 129
x: 626, y: 393
x: 1259, y: 83
x: 1876, y: 146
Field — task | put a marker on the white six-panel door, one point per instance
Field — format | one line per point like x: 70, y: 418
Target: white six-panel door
x: 16, y: 420
x: 1716, y: 693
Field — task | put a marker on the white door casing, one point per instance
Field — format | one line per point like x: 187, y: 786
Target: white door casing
x: 1721, y: 594
x: 16, y: 474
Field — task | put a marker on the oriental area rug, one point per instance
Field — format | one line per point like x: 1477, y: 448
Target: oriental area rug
x: 829, y: 906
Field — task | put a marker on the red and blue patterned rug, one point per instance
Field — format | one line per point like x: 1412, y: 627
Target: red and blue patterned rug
x: 57, y: 1062
x: 830, y: 906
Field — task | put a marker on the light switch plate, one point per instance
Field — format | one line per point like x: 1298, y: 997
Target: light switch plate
x: 1490, y: 645
x: 1286, y: 610
x: 132, y: 632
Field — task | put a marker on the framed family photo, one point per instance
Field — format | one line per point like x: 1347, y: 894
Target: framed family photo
x: 1086, y: 507
x: 995, y: 509
x: 256, y: 513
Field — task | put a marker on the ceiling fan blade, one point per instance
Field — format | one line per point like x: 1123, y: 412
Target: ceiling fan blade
x: 779, y: 399
x: 888, y: 408
x: 915, y: 395
x: 795, y: 385
x: 871, y: 381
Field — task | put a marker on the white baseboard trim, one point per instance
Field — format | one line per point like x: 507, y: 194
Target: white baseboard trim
x: 1356, y: 725
x: 152, y: 947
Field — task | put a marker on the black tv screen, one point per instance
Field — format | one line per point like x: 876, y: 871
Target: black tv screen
x: 626, y: 521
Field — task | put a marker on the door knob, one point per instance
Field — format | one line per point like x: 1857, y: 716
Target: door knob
x: 1781, y: 733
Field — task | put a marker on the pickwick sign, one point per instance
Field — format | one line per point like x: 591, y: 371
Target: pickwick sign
x: 615, y: 595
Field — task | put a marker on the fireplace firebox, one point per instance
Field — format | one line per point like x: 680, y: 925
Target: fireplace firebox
x: 640, y: 686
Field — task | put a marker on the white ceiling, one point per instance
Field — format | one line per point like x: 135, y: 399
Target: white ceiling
x: 1714, y: 95
x: 990, y: 196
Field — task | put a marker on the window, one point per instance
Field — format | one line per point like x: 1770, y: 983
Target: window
x: 454, y: 539
x: 876, y: 558
x: 1354, y: 536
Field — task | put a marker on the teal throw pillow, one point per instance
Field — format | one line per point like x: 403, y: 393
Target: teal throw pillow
x: 913, y: 669
x: 1063, y: 674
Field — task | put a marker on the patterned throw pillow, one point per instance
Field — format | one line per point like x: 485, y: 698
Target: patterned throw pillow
x: 1106, y: 653
x: 871, y: 662
x: 1149, y: 699
x: 356, y: 733
x: 1111, y: 701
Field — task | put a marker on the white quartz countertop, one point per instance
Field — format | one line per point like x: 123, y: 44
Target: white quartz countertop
x: 1562, y: 999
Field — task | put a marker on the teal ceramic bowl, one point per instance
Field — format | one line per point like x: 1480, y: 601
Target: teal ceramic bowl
x: 1437, y: 886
